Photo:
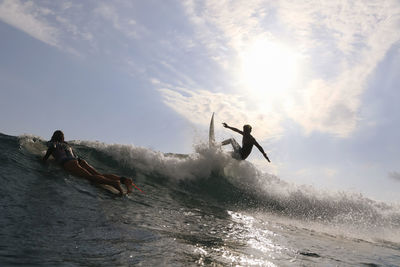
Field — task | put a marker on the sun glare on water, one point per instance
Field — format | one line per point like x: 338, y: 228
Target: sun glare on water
x: 268, y: 69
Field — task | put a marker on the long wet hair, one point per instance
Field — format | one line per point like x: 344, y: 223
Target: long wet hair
x: 58, y: 136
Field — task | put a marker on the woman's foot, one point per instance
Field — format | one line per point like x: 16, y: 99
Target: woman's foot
x: 117, y: 186
x: 128, y: 183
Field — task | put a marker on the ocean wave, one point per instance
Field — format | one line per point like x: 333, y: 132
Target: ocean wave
x: 213, y: 174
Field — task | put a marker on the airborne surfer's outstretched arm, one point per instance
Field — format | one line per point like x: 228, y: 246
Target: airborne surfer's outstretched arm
x: 232, y: 128
x: 261, y: 150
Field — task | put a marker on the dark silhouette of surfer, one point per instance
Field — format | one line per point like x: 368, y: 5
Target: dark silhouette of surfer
x: 247, y: 143
x: 64, y: 155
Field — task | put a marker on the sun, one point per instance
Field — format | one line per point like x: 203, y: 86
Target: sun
x: 268, y: 69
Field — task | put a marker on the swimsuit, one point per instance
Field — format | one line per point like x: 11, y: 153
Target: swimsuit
x: 61, y: 152
x: 241, y: 152
x: 247, y: 146
x: 237, y: 150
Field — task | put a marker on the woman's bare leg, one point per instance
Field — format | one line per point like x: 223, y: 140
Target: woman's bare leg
x: 83, y: 163
x: 128, y: 182
x: 74, y: 168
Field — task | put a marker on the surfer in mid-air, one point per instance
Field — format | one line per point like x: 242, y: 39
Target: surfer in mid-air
x: 247, y: 143
x: 63, y: 154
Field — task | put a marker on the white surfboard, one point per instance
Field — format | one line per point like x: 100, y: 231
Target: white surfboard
x: 211, y: 134
x: 112, y: 189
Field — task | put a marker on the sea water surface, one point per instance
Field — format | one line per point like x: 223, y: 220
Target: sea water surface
x: 200, y: 209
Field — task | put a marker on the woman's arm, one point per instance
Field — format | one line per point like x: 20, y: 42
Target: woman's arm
x: 232, y: 128
x: 48, y: 153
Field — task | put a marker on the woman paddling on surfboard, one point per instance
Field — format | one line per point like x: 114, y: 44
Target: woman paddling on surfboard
x: 64, y: 155
x: 247, y: 143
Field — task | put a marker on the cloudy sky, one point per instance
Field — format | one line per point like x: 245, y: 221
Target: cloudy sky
x: 318, y: 80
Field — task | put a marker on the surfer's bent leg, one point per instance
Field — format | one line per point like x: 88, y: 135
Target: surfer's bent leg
x: 237, y: 150
x: 227, y: 142
x: 235, y: 145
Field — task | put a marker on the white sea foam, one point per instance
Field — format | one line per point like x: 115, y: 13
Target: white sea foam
x: 173, y: 166
x: 308, y: 226
x: 301, y: 203
x: 32, y: 143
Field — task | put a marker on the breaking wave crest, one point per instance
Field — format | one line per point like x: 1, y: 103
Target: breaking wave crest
x: 214, y: 176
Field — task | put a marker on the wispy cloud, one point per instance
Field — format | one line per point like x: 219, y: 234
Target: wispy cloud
x: 347, y: 40
x: 53, y: 25
x: 226, y: 27
x: 126, y: 25
x: 28, y: 17
x: 342, y: 41
x: 198, y: 105
x: 223, y: 27
x: 73, y: 26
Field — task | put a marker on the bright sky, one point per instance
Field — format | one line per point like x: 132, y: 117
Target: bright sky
x: 318, y: 80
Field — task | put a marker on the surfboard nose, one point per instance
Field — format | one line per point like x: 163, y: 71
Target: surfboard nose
x: 211, y: 134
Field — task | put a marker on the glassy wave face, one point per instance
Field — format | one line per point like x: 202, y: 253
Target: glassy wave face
x: 199, y: 209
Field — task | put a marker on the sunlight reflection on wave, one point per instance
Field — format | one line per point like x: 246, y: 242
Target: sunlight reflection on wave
x: 244, y: 244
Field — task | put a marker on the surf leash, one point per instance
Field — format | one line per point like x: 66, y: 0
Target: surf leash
x: 138, y: 188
